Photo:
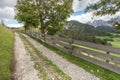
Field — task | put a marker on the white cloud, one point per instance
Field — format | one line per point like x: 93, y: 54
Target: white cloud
x: 7, y: 9
x: 76, y: 5
x: 84, y: 18
x: 7, y: 3
x: 80, y: 5
x: 7, y: 13
x: 14, y: 25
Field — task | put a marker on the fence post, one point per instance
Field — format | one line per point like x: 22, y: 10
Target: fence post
x: 44, y: 37
x: 108, y: 53
x: 35, y: 35
x: 53, y: 40
x: 40, y: 35
x: 72, y: 47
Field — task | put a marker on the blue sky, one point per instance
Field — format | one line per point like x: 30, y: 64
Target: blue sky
x: 11, y: 21
x: 78, y: 13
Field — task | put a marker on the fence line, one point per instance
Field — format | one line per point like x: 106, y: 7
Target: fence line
x: 105, y: 56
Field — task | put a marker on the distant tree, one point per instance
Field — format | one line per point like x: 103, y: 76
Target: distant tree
x: 104, y: 7
x: 2, y: 22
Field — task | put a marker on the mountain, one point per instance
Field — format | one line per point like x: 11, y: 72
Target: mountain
x: 105, y: 28
x: 84, y: 32
x: 82, y: 28
x: 96, y: 23
x: 117, y: 19
x: 88, y: 29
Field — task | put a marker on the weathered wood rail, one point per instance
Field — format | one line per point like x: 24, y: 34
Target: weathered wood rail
x: 107, y: 57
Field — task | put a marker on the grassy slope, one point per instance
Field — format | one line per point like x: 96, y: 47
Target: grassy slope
x: 102, y: 73
x: 6, y: 51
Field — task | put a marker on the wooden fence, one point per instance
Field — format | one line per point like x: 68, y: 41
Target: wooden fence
x: 105, y: 56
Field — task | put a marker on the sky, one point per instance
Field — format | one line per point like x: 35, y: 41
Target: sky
x: 7, y: 12
x: 81, y: 16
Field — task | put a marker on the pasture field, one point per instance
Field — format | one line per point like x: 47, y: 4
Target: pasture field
x: 115, y: 38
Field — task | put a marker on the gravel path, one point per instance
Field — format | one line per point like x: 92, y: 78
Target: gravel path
x: 75, y: 72
x: 24, y: 67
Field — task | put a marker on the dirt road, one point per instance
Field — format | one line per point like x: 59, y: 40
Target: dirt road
x: 74, y: 71
x: 24, y: 67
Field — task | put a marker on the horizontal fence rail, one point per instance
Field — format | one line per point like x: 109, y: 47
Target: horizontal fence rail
x: 105, y: 56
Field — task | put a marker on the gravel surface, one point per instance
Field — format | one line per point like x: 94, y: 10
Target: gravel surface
x: 74, y: 71
x: 24, y: 67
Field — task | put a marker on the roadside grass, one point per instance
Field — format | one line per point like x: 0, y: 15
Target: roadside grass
x: 6, y: 52
x: 60, y: 75
x: 100, y: 72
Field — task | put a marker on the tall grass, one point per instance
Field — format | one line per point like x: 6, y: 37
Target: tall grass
x: 6, y: 51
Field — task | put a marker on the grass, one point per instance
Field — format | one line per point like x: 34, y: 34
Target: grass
x: 6, y: 52
x: 53, y: 68
x: 115, y: 43
x: 100, y: 72
x: 102, y: 37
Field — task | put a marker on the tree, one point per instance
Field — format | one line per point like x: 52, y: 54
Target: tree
x: 2, y: 22
x: 104, y: 7
x: 26, y: 13
x: 53, y: 14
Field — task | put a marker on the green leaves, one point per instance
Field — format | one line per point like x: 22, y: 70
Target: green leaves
x: 104, y: 7
x: 50, y: 14
x: 26, y: 13
x: 54, y: 13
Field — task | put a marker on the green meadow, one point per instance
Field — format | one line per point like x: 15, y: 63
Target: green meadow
x: 6, y: 52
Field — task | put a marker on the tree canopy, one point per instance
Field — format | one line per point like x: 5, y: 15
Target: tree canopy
x: 51, y: 14
x: 104, y: 7
x: 26, y: 13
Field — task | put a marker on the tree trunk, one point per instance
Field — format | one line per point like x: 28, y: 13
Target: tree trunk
x: 38, y: 3
x: 42, y: 27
